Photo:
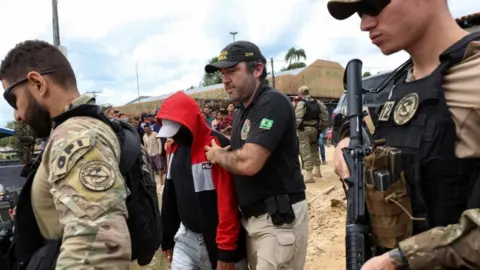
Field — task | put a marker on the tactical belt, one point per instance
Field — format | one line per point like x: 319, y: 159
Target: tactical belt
x: 259, y: 208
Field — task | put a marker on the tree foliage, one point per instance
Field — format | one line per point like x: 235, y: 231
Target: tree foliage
x: 367, y: 74
x: 294, y: 58
x: 211, y: 78
x: 8, y: 141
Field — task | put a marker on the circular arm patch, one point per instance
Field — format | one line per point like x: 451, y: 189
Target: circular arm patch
x: 97, y: 175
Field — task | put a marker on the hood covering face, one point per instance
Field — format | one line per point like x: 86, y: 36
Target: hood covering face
x: 183, y: 109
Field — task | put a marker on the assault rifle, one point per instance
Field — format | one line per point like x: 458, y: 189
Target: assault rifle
x: 356, y: 240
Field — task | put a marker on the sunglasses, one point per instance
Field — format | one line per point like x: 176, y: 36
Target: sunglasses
x: 8, y: 93
x: 371, y: 7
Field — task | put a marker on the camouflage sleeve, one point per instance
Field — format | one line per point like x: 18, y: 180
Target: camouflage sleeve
x: 89, y: 195
x: 323, y: 116
x: 454, y: 246
x: 300, y: 112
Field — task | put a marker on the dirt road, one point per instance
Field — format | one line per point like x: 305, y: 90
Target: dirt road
x: 326, y: 249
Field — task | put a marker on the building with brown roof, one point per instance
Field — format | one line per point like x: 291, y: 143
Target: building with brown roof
x: 324, y: 78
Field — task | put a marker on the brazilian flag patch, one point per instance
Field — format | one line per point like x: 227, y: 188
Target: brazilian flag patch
x: 266, y: 123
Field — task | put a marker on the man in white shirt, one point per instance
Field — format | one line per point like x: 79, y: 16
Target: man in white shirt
x: 153, y: 146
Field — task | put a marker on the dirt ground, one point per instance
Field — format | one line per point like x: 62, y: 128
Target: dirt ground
x: 326, y: 244
x: 326, y: 250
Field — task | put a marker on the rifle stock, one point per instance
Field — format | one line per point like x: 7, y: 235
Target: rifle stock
x: 357, y: 247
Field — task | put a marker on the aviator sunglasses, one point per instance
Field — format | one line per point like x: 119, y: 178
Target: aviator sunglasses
x: 8, y: 93
x: 371, y: 7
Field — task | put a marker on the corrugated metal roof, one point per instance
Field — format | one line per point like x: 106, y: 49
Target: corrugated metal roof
x: 154, y: 98
x: 220, y: 85
x: 138, y: 99
x: 288, y: 72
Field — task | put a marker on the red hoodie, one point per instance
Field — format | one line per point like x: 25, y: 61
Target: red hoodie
x: 210, y: 181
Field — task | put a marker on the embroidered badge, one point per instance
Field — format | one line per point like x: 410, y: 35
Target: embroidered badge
x: 386, y: 111
x: 245, y: 130
x: 266, y: 123
x: 406, y: 108
x: 97, y: 175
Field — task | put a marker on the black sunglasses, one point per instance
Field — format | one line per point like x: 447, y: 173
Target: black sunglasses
x: 371, y: 7
x: 10, y: 97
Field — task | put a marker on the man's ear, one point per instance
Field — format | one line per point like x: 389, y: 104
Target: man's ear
x: 38, y: 82
x: 257, y: 72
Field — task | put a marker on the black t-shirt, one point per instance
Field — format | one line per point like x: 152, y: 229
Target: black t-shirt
x: 268, y: 121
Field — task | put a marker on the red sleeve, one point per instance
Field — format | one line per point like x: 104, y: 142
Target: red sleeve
x: 228, y: 217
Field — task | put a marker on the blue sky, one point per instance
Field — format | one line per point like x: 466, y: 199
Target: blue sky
x: 171, y: 41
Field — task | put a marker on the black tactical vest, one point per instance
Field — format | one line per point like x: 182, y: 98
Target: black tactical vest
x: 312, y: 110
x: 417, y: 121
x: 32, y: 251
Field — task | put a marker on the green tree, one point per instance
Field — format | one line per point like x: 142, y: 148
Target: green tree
x: 211, y: 78
x: 8, y: 141
x: 367, y: 74
x: 294, y: 58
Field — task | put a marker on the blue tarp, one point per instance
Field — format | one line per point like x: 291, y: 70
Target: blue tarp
x: 5, y: 132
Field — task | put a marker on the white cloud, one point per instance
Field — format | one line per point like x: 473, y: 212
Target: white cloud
x: 180, y: 36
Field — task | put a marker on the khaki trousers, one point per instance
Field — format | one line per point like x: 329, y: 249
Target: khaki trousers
x: 285, y: 247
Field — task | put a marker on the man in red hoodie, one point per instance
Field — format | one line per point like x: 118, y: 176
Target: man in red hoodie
x: 199, y: 209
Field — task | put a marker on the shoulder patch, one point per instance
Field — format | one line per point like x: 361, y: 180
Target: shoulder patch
x: 266, y: 123
x: 97, y: 175
x: 64, y: 159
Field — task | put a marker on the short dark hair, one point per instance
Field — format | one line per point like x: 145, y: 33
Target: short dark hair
x: 39, y: 56
x: 251, y: 67
x: 223, y: 112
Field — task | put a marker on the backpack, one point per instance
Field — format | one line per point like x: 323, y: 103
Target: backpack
x: 144, y: 223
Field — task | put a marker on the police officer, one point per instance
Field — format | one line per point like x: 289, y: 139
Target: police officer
x: 25, y: 141
x: 264, y: 160
x: 432, y: 117
x: 77, y: 195
x: 312, y: 118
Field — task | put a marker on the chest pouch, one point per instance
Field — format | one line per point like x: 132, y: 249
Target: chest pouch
x: 388, y: 203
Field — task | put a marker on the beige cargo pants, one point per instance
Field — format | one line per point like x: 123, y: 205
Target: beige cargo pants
x: 285, y: 247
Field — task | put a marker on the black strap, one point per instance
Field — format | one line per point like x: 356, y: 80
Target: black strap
x: 456, y: 52
x: 131, y: 139
x: 130, y: 148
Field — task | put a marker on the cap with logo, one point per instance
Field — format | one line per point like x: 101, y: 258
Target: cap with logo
x: 234, y: 53
x: 169, y: 129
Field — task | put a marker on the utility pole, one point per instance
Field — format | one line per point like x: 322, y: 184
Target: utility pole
x: 94, y: 93
x: 56, y: 28
x: 138, y: 84
x: 273, y: 73
x: 233, y: 35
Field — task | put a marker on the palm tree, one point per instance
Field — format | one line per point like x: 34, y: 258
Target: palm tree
x: 294, y: 57
x: 212, y: 78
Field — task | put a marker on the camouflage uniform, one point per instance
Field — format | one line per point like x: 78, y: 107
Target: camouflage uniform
x: 308, y: 137
x: 78, y: 194
x: 442, y: 247
x: 25, y: 141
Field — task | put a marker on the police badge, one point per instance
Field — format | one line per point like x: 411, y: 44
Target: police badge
x: 245, y: 130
